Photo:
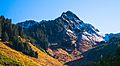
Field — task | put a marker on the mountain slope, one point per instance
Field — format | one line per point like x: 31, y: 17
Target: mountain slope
x: 42, y: 60
x: 67, y: 39
x: 67, y: 32
x: 111, y: 35
x: 5, y: 60
x: 106, y: 54
x: 16, y: 49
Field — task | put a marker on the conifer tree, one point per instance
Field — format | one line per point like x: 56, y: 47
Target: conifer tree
x: 5, y: 36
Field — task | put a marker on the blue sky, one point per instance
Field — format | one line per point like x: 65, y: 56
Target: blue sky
x: 103, y: 14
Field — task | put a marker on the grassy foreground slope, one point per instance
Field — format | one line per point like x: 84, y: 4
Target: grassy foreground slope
x: 10, y: 56
x: 5, y: 60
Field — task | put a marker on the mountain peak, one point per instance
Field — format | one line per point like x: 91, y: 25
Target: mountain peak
x: 68, y: 12
x: 69, y: 15
x: 67, y: 32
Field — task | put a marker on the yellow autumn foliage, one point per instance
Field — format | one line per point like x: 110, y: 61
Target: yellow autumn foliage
x: 42, y: 60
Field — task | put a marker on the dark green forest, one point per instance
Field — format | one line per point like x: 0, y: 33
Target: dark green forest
x: 10, y: 33
x: 113, y: 60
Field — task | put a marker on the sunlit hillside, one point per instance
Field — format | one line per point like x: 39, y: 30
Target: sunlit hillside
x: 12, y: 57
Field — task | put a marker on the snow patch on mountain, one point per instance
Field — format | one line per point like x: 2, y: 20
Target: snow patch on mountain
x: 85, y: 38
x: 77, y: 27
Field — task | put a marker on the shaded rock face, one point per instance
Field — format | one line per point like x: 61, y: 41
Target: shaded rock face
x: 111, y: 35
x: 67, y: 32
x: 27, y: 24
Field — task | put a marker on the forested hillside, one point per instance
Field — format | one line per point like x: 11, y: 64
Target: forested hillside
x: 17, y: 50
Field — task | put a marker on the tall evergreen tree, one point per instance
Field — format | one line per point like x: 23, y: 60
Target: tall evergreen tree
x: 1, y: 22
x: 5, y: 36
x: 0, y: 29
